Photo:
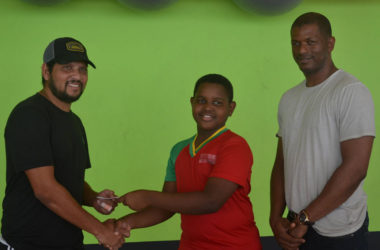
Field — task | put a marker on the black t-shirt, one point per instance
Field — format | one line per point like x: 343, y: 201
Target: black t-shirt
x: 40, y: 134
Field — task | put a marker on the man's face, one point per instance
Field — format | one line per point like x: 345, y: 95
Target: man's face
x: 311, y: 48
x: 68, y: 81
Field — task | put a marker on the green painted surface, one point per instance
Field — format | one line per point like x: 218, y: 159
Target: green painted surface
x: 137, y: 102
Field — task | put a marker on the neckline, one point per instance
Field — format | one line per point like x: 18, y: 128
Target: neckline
x: 46, y: 100
x: 194, y: 150
x: 323, y: 82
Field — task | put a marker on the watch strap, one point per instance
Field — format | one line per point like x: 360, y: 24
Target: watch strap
x: 304, y: 218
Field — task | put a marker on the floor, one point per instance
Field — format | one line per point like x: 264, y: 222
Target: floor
x: 268, y: 243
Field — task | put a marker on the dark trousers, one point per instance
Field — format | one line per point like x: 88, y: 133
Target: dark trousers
x: 29, y: 247
x: 354, y: 241
x: 3, y: 247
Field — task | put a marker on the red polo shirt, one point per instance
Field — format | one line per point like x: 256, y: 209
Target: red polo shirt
x: 225, y: 155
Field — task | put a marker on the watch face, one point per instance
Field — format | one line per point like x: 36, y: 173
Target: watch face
x: 302, y: 217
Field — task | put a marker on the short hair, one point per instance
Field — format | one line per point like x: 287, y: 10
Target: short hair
x: 50, y: 66
x: 217, y: 79
x: 314, y: 18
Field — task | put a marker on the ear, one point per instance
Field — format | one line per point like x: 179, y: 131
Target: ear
x: 232, y: 108
x: 191, y: 100
x: 331, y: 43
x: 45, y: 72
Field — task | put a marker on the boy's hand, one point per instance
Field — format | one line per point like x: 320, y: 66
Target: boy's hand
x: 135, y: 200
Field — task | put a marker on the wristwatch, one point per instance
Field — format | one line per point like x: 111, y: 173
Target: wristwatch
x: 304, y: 218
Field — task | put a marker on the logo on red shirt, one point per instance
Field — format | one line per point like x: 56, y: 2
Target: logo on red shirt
x: 207, y: 158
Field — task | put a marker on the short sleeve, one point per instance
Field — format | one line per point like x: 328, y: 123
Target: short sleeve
x: 27, y: 138
x: 356, y: 112
x: 280, y: 111
x: 234, y: 162
x: 279, y: 122
x: 85, y: 142
x: 170, y: 169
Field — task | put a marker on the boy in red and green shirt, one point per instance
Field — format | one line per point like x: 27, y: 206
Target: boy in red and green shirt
x: 207, y: 180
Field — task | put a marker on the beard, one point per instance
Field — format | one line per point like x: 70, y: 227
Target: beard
x: 62, y: 95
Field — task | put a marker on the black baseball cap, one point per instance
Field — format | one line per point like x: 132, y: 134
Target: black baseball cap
x: 65, y: 50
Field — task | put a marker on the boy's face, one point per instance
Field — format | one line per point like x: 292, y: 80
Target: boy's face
x: 211, y: 108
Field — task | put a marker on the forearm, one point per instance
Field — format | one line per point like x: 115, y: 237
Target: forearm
x: 60, y: 201
x: 215, y: 194
x: 89, y: 195
x: 281, y: 227
x: 147, y: 217
x: 346, y: 178
x: 186, y: 203
x: 277, y: 187
x: 338, y: 189
x: 277, y: 195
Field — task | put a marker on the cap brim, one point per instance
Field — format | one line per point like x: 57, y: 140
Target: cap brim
x: 93, y: 65
x: 64, y: 61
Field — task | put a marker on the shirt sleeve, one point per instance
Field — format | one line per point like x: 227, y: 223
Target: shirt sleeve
x: 85, y: 142
x: 170, y: 169
x: 234, y: 162
x: 176, y: 150
x: 27, y: 138
x: 356, y: 112
x: 279, y: 116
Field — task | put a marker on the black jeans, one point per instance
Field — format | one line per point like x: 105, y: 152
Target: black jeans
x: 355, y: 241
x: 28, y: 247
x: 3, y: 247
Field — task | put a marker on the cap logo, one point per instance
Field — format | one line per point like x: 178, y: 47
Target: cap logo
x: 74, y: 46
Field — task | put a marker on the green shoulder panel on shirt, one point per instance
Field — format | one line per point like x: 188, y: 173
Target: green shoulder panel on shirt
x: 170, y: 169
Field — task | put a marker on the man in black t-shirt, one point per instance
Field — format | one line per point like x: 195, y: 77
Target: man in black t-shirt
x: 47, y: 155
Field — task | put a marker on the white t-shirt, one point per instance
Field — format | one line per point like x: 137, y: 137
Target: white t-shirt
x: 313, y: 121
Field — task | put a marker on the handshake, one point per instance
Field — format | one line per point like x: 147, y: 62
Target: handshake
x: 113, y: 232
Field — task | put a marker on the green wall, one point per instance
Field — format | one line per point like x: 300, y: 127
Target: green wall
x: 136, y: 105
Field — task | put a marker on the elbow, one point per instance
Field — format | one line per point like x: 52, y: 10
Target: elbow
x: 212, y: 207
x: 42, y: 195
x: 357, y: 177
x: 361, y: 173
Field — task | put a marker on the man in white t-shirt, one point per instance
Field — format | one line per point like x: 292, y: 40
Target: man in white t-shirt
x: 325, y: 136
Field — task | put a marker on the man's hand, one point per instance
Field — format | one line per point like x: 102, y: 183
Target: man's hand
x: 123, y: 228
x: 105, y: 202
x: 108, y: 237
x: 299, y: 231
x: 135, y: 200
x: 110, y: 224
x: 281, y: 228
